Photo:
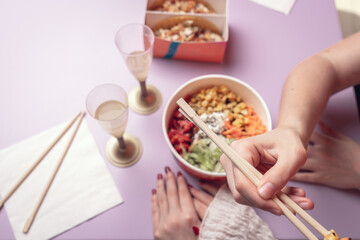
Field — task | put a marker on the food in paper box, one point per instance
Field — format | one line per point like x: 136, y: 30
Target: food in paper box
x: 204, y: 38
x: 187, y: 31
x: 183, y: 6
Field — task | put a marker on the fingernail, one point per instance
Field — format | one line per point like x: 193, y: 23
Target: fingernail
x: 190, y: 186
x: 159, y: 176
x: 196, y: 230
x: 275, y: 211
x: 303, y: 205
x: 167, y: 169
x: 153, y: 191
x: 267, y: 190
x: 179, y: 174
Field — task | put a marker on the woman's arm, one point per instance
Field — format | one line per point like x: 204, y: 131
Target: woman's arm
x: 282, y: 151
x: 312, y: 82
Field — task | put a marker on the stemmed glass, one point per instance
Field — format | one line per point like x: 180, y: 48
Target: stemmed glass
x: 135, y: 42
x: 108, y: 104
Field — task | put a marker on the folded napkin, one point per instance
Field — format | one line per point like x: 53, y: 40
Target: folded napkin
x: 82, y: 188
x: 283, y: 6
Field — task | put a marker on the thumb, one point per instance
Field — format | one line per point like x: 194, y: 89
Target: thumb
x: 275, y: 179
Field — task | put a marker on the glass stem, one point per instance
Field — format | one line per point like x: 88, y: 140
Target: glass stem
x: 122, y: 144
x: 144, y: 92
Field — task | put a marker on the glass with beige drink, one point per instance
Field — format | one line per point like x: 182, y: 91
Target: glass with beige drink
x: 135, y: 42
x: 108, y: 104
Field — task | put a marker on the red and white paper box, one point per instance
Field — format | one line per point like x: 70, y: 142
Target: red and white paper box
x: 204, y: 51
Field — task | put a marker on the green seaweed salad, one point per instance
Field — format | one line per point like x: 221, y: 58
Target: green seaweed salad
x: 204, y: 154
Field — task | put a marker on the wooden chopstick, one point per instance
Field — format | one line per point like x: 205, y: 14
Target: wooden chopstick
x: 254, y: 175
x: 52, y: 177
x: 34, y: 165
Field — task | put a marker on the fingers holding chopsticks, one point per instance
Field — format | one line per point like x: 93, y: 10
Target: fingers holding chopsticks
x: 245, y: 192
x: 263, y: 154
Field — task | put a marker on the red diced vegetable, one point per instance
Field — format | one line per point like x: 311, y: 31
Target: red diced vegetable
x: 173, y: 124
x: 180, y: 132
x: 172, y: 132
x: 179, y: 147
x: 180, y: 138
x: 185, y: 125
x: 178, y: 115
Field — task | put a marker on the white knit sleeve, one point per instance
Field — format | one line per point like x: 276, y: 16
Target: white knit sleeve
x: 226, y: 219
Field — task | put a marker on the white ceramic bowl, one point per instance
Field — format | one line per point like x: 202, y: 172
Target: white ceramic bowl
x: 247, y: 93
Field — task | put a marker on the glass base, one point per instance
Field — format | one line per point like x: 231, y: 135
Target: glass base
x: 125, y: 158
x: 145, y: 105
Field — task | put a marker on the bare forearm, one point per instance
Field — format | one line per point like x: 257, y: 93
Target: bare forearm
x: 305, y: 95
x: 312, y: 82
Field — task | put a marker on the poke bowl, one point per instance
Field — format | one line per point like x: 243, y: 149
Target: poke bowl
x: 229, y: 106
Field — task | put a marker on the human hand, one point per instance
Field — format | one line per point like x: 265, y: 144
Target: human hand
x: 333, y: 160
x: 278, y: 154
x: 173, y: 212
x: 203, y: 199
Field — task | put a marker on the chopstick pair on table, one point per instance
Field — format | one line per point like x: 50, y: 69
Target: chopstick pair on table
x: 254, y: 175
x: 53, y: 174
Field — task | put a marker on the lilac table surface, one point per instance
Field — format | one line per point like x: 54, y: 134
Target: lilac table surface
x: 52, y: 53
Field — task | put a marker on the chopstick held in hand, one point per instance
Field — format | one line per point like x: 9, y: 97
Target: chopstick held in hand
x: 254, y: 175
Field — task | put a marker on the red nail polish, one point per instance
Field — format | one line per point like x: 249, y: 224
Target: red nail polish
x: 179, y: 174
x: 196, y: 230
x: 159, y: 176
x: 153, y: 191
x: 190, y: 186
x: 167, y: 169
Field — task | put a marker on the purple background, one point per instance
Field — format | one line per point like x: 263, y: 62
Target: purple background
x: 52, y: 53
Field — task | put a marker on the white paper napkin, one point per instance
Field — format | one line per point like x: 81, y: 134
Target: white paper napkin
x: 82, y: 189
x: 283, y: 6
